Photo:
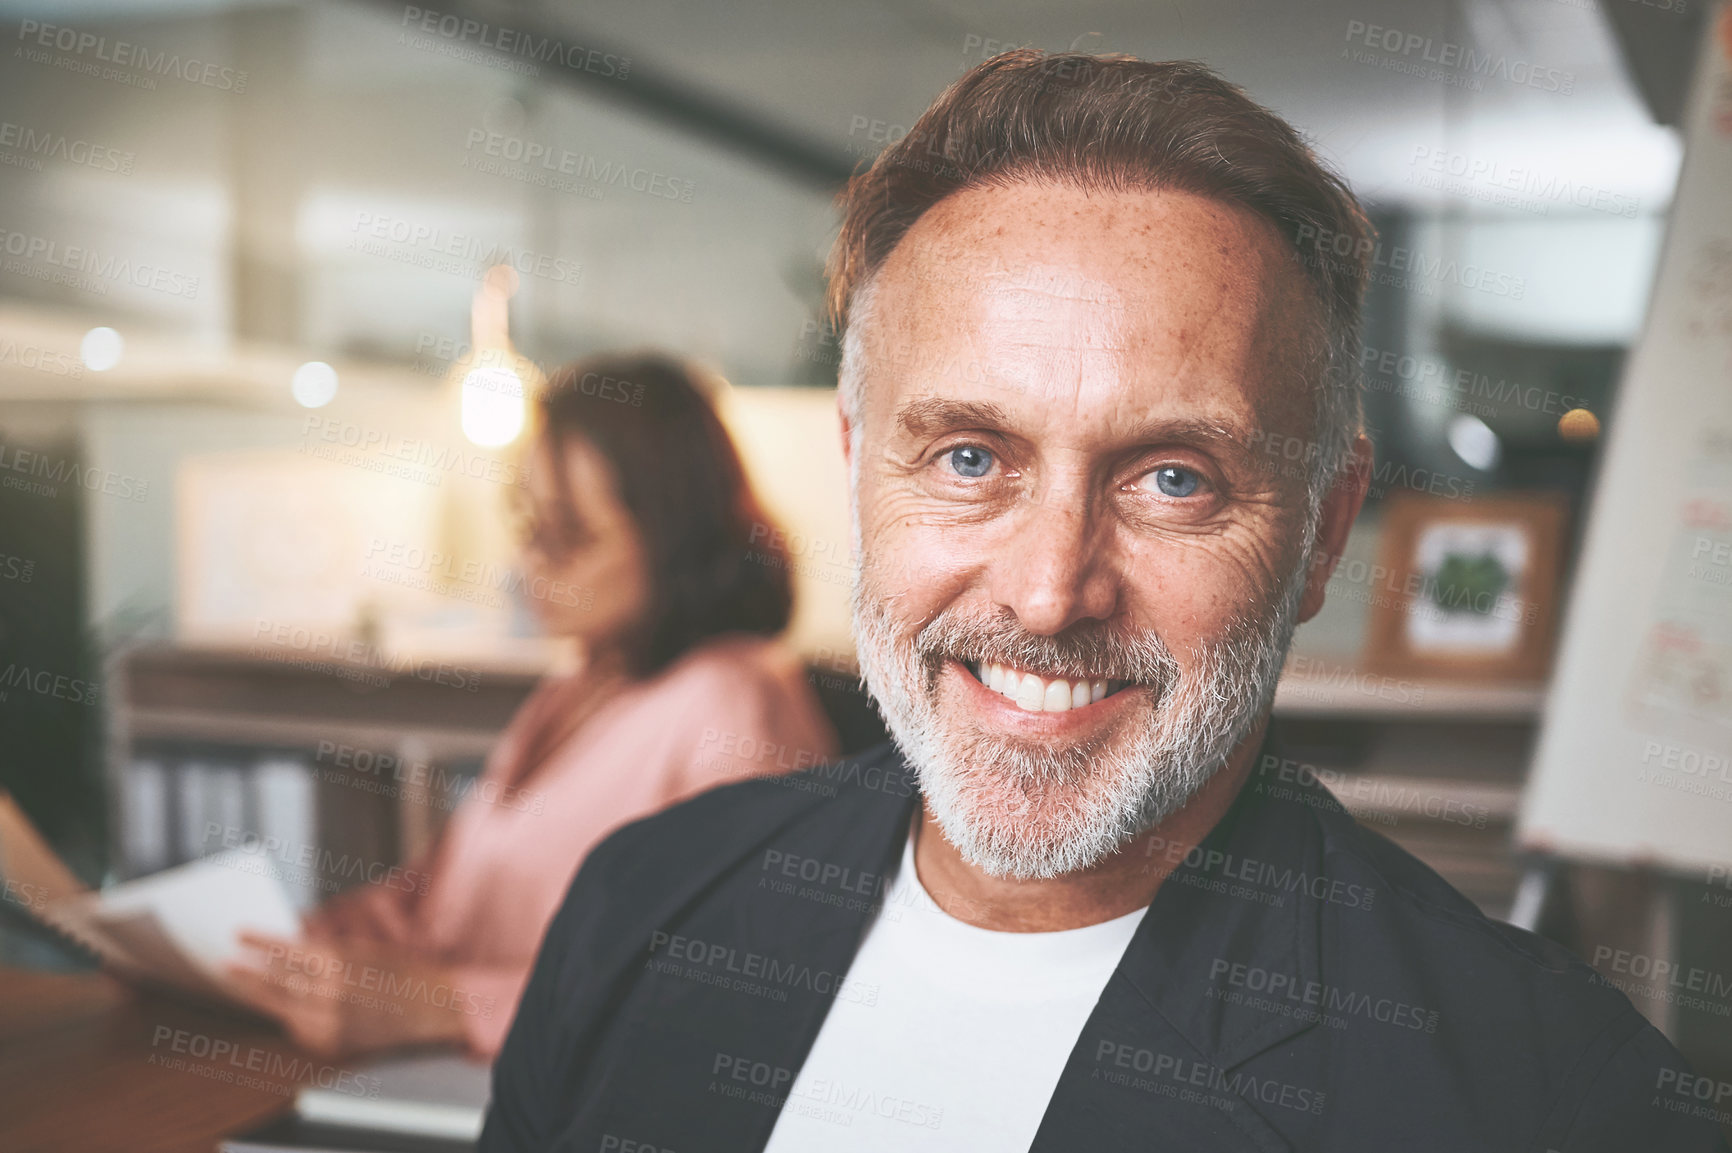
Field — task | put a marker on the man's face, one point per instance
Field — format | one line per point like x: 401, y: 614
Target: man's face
x: 1060, y: 485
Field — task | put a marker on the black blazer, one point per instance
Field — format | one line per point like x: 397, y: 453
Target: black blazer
x: 1298, y: 983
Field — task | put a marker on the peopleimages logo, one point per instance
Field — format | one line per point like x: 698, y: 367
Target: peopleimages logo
x: 51, y: 472
x: 397, y: 776
x: 30, y: 146
x: 1201, y: 1075
x: 46, y: 683
x: 425, y: 246
x: 1511, y: 185
x: 1438, y: 381
x: 1400, y: 267
x: 1413, y: 49
x: 332, y: 870
x: 729, y: 960
x: 1656, y: 978
x: 1376, y: 799
x: 1281, y: 988
x: 34, y: 356
x: 542, y: 49
x: 88, y: 45
x: 555, y: 160
x: 251, y: 1066
x: 325, y: 652
x: 1265, y: 882
x: 86, y: 269
x: 424, y: 460
x: 15, y: 568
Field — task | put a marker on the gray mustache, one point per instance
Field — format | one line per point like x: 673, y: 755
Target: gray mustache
x: 1086, y: 649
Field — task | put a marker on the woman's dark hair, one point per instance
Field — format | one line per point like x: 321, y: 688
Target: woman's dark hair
x: 716, y: 562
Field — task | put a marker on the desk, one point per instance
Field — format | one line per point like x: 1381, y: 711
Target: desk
x: 90, y: 1066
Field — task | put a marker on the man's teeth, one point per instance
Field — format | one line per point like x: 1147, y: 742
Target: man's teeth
x: 1038, y: 694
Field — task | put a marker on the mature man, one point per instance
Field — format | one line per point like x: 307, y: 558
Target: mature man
x: 1092, y: 306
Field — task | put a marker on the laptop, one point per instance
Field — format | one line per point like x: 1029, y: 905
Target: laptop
x: 414, y: 1103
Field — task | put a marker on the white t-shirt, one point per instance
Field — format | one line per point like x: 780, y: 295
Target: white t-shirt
x: 963, y: 1042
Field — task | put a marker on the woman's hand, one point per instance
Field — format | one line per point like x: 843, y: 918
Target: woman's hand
x: 341, y: 996
x: 370, y: 911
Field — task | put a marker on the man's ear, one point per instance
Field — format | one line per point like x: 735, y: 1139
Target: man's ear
x: 847, y: 429
x: 1340, y: 509
x: 847, y: 448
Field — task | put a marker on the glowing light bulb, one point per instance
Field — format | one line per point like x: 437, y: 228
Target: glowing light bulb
x: 1474, y: 441
x: 314, y: 384
x: 1578, y: 424
x: 493, y: 408
x: 101, y: 349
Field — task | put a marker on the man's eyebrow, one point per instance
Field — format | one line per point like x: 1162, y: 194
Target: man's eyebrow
x: 931, y: 415
x: 1221, y: 434
x: 922, y: 418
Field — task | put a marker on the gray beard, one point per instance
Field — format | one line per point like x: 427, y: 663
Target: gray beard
x: 1023, y: 809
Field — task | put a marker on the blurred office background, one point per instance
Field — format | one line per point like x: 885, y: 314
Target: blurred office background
x: 253, y: 508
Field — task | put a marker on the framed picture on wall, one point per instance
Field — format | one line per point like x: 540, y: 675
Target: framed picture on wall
x: 1471, y: 587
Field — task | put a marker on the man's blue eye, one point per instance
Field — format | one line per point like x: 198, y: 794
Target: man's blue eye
x: 1175, y: 481
x: 970, y: 461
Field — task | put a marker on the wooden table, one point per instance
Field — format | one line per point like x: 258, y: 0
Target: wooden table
x: 88, y: 1066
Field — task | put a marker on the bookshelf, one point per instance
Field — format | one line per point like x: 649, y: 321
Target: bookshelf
x: 1438, y: 766
x: 339, y: 761
x: 1465, y: 700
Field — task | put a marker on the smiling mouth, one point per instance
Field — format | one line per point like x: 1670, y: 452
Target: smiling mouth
x: 1039, y: 692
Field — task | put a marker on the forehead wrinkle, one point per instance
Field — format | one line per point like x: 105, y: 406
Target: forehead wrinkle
x: 1019, y: 318
x: 1258, y: 359
x: 961, y: 257
x: 1059, y: 345
x: 1177, y: 375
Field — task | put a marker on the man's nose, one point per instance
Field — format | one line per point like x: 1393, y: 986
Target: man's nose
x: 1055, y: 569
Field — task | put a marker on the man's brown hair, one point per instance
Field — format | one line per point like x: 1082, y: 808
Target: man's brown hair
x: 1116, y: 122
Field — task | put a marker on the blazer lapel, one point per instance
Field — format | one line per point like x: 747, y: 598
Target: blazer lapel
x: 1157, y: 1063
x: 729, y: 1003
x: 1133, y: 1082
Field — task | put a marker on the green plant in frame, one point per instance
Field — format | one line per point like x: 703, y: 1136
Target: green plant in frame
x: 1469, y: 583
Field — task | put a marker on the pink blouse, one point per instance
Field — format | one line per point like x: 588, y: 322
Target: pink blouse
x: 733, y: 707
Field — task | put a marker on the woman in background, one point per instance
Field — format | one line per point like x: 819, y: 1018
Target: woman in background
x: 648, y: 548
